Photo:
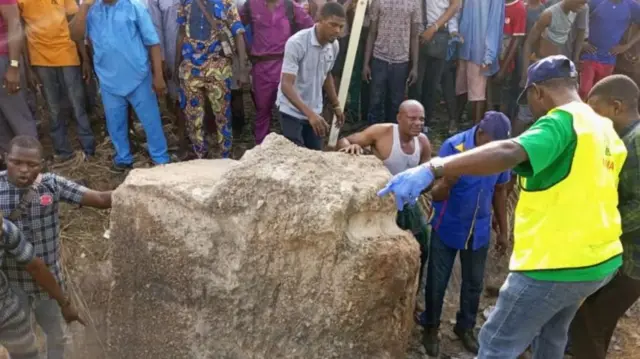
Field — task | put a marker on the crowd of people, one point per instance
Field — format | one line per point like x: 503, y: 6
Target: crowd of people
x: 569, y: 140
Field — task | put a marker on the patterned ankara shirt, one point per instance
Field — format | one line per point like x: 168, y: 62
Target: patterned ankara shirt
x: 201, y: 41
x: 40, y: 225
x: 395, y: 18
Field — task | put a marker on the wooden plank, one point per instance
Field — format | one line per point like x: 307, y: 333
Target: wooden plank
x: 354, y: 40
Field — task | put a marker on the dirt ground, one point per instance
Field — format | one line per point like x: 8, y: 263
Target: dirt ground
x: 84, y: 246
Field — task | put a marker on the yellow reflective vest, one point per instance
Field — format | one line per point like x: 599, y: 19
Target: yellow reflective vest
x: 574, y: 223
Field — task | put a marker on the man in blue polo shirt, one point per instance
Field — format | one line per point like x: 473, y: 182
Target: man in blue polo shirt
x: 462, y: 223
x: 608, y: 21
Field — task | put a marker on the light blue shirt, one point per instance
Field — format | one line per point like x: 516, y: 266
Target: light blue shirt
x: 481, y: 26
x: 120, y: 33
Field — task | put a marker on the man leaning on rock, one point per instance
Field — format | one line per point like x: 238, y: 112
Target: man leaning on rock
x: 400, y: 147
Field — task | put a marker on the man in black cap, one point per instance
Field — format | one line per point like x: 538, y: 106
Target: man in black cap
x: 567, y: 225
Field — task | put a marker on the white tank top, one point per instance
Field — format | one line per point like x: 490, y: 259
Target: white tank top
x: 399, y: 161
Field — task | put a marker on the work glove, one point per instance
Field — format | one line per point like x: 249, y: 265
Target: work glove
x: 406, y: 186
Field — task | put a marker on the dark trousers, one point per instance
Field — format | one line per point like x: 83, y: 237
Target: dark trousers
x: 69, y: 79
x: 411, y: 218
x: 237, y: 111
x: 388, y: 83
x: 299, y: 132
x: 439, y: 270
x: 448, y: 85
x: 16, y: 118
x: 430, y: 71
x: 593, y: 325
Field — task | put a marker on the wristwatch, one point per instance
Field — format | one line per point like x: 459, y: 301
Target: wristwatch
x: 14, y: 63
x: 436, y: 165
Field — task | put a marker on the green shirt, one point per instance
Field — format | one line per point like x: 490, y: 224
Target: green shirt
x: 550, y: 145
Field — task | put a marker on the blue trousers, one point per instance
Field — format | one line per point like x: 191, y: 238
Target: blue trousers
x: 534, y: 312
x: 145, y: 104
x: 438, y: 273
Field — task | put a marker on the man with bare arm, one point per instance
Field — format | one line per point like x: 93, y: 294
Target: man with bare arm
x: 400, y: 146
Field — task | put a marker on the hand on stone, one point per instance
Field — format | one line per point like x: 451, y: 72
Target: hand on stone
x: 352, y: 149
x: 407, y: 186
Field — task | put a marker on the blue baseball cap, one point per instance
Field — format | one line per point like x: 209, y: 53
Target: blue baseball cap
x: 496, y: 125
x: 549, y: 68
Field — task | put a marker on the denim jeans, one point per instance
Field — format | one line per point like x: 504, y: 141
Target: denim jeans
x: 441, y: 260
x: 299, y: 132
x: 430, y: 70
x: 388, y: 83
x: 69, y: 79
x: 49, y: 317
x: 533, y: 311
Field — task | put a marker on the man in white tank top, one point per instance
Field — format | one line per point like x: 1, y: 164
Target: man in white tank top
x: 400, y: 147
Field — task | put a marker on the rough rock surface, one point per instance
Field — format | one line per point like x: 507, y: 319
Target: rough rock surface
x: 286, y: 253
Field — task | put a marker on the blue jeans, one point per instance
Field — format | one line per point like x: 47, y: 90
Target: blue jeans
x: 441, y: 260
x: 299, y: 132
x: 49, y: 317
x: 388, y: 83
x: 532, y: 311
x: 145, y: 103
x: 69, y: 79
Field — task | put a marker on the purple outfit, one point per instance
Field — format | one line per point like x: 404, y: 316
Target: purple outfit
x: 271, y: 30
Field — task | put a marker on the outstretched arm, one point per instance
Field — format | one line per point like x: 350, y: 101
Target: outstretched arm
x: 365, y: 138
x: 494, y: 157
x: 531, y: 152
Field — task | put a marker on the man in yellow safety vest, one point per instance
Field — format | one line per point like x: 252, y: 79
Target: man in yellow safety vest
x: 567, y: 225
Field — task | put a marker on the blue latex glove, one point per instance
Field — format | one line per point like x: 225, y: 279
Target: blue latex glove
x: 407, y: 186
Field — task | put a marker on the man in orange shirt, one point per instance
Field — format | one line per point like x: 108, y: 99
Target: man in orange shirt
x: 54, y: 63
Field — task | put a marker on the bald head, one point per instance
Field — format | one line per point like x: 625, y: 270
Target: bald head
x: 409, y: 105
x: 410, y: 118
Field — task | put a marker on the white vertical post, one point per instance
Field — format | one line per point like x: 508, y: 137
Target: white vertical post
x: 354, y: 40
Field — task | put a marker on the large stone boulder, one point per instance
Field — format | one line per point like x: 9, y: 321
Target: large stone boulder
x: 286, y: 253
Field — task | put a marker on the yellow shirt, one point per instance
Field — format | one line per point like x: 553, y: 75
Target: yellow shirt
x: 47, y: 28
